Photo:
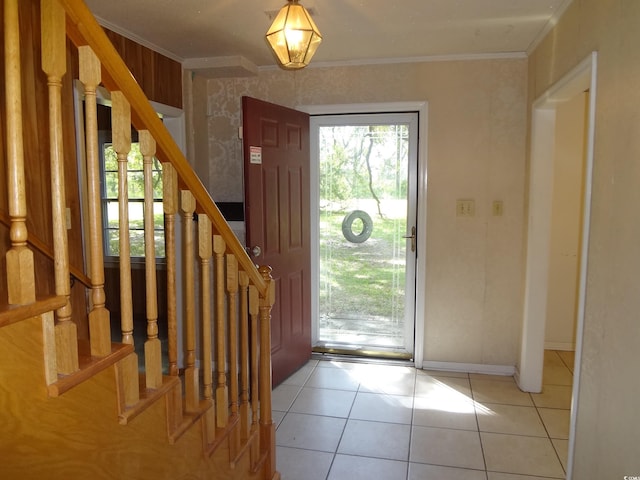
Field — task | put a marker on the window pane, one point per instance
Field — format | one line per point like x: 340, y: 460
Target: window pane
x: 112, y: 214
x: 158, y: 216
x: 159, y: 237
x: 134, y: 158
x: 157, y: 185
x: 113, y: 243
x: 135, y: 184
x: 136, y: 215
x: 111, y: 184
x: 110, y: 158
x: 137, y: 243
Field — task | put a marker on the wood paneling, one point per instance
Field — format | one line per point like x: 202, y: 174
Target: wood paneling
x: 159, y: 77
x: 77, y: 435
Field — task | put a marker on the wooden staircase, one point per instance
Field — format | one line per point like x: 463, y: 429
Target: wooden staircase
x: 74, y: 407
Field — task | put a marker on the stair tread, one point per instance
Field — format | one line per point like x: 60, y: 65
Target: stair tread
x: 89, y: 366
x: 15, y: 313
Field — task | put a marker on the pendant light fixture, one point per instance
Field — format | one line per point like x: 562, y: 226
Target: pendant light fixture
x: 293, y: 36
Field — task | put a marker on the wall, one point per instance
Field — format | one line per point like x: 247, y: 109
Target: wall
x: 607, y: 433
x: 566, y: 224
x: 476, y: 149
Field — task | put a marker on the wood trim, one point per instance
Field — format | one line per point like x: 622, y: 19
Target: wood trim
x: 83, y: 29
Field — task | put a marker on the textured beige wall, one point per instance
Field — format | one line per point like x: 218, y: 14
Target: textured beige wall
x: 608, y: 433
x: 476, y: 150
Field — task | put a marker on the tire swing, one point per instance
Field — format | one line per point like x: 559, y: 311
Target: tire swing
x: 347, y: 226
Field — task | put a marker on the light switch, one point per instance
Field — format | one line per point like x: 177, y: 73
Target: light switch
x: 497, y: 208
x: 465, y: 208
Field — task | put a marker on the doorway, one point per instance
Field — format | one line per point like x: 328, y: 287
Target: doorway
x: 543, y: 143
x: 366, y: 242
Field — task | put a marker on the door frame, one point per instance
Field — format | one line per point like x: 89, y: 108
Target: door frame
x: 421, y: 107
x: 529, y: 372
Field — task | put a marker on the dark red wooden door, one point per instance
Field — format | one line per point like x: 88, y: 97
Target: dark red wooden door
x: 276, y: 173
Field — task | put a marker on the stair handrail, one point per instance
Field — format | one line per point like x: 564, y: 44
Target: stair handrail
x: 83, y: 29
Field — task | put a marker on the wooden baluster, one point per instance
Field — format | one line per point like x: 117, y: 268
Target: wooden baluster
x: 267, y: 427
x: 243, y: 280
x: 152, y: 347
x: 20, y: 267
x: 54, y: 64
x: 192, y: 389
x: 170, y: 204
x: 121, y: 138
x: 232, y: 316
x: 205, y: 250
x: 254, y: 313
x: 99, y: 318
x: 222, y: 398
x: 232, y: 292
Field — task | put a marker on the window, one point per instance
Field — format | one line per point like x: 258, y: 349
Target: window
x: 135, y: 183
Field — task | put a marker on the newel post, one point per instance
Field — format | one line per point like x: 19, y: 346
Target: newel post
x: 267, y: 427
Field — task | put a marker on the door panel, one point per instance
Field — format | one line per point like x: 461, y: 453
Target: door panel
x: 276, y: 159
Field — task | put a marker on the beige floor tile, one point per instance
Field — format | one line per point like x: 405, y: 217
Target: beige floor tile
x: 499, y: 391
x: 434, y: 411
x: 443, y: 387
x: 386, y: 379
x: 295, y: 464
x: 382, y: 408
x: 348, y: 467
x: 282, y: 396
x: 553, y: 396
x: 552, y: 359
x: 375, y: 439
x: 519, y: 454
x: 557, y: 375
x: 310, y: 432
x: 556, y: 422
x: 277, y: 417
x: 419, y: 471
x: 447, y: 447
x: 324, y: 401
x: 300, y: 377
x: 483, y: 376
x: 562, y: 449
x: 334, y: 378
x: 510, y: 476
x: 568, y: 358
x: 511, y: 419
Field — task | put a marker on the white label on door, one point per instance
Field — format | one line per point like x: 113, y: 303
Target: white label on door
x: 255, y: 155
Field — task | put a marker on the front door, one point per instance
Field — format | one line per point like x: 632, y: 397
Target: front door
x: 366, y: 233
x: 276, y: 171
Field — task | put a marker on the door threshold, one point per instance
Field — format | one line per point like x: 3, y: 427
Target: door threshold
x: 337, y: 351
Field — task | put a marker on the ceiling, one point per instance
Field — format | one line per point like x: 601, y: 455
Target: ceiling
x: 221, y: 32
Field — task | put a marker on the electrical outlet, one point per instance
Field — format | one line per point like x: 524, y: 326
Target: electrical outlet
x: 465, y: 208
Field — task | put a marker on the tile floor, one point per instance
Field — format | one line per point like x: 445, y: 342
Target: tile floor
x: 353, y: 421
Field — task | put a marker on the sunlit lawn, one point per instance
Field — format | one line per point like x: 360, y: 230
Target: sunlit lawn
x: 362, y: 279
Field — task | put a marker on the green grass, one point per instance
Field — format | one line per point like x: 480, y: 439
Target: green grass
x: 365, y: 279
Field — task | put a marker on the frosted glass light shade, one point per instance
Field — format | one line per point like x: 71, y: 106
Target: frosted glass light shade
x: 293, y: 36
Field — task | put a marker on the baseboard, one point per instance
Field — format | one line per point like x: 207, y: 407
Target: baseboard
x: 564, y: 346
x: 504, y: 370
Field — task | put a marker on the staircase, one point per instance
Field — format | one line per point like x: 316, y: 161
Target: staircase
x: 74, y: 407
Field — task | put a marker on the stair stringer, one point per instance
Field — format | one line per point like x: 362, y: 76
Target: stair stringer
x: 77, y: 435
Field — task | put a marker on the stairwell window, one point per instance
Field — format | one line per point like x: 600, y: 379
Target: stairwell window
x: 135, y: 184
